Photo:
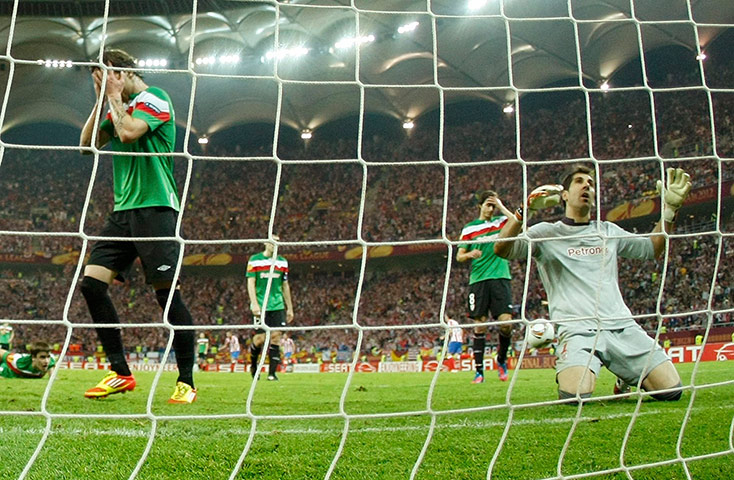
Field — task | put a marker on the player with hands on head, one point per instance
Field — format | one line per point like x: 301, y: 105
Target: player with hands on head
x: 578, y: 268
x: 489, y: 280
x: 140, y: 120
x: 265, y: 269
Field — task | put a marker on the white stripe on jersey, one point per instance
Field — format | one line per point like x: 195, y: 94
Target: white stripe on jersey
x: 151, y: 100
x: 266, y: 263
x: 481, y: 226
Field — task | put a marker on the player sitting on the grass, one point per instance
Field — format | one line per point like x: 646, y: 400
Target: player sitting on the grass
x: 27, y: 365
x: 279, y: 308
x: 140, y: 120
x: 489, y: 281
x: 577, y: 263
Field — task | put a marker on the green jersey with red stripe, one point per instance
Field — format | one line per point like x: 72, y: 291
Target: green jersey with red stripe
x: 259, y: 267
x: 20, y: 365
x: 145, y: 181
x: 477, y: 234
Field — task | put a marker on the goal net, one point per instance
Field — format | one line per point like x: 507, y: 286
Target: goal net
x: 360, y: 133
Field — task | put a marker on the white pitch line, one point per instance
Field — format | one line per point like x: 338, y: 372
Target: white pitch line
x: 142, y: 433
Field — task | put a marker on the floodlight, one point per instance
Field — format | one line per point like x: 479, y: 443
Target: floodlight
x: 408, y: 27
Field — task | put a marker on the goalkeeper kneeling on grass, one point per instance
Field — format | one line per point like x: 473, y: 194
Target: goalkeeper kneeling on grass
x: 578, y: 268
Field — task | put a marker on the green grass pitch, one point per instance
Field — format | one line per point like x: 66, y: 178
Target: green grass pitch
x: 108, y: 443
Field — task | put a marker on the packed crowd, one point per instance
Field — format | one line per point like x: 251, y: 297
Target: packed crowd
x: 226, y: 200
x: 397, y: 297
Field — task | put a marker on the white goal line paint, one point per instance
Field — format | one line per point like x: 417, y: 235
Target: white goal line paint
x: 145, y: 433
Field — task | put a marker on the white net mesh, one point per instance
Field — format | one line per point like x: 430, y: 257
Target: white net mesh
x: 358, y: 186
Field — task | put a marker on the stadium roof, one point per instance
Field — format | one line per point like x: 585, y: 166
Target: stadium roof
x: 317, y: 41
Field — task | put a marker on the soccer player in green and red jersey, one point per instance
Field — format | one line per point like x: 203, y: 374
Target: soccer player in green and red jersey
x: 140, y: 119
x: 262, y: 269
x: 27, y: 365
x: 489, y: 281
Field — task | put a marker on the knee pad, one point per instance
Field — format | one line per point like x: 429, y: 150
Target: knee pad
x: 671, y: 396
x: 92, y: 288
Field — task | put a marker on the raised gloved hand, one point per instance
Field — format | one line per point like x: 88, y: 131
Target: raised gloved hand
x: 545, y: 196
x: 674, y: 192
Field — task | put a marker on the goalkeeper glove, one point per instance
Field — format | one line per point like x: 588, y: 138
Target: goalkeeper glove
x: 545, y: 196
x: 672, y: 197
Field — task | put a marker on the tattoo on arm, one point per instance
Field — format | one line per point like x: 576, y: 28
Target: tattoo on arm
x: 117, y: 110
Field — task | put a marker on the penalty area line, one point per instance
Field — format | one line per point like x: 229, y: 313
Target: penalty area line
x: 145, y: 433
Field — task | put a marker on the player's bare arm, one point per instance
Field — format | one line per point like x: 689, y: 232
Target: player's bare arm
x: 252, y: 293
x: 288, y: 302
x: 95, y: 117
x: 128, y: 129
x: 498, y: 205
x: 462, y: 255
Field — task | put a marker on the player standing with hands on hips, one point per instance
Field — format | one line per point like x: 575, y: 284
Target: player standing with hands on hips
x: 140, y: 120
x: 489, y: 281
x: 577, y: 263
x: 263, y: 269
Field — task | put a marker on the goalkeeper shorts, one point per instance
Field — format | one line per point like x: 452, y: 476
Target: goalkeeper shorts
x: 629, y: 353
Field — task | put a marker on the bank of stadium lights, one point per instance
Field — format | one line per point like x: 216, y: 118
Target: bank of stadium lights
x: 408, y: 27
x: 282, y: 53
x: 701, y: 56
x: 408, y: 124
x: 152, y: 63
x: 222, y: 60
x: 349, y: 42
x: 605, y: 86
x: 203, y: 140
x: 56, y: 63
x: 509, y: 108
x: 306, y: 134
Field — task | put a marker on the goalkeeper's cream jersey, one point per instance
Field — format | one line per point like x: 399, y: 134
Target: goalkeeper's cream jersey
x: 577, y: 264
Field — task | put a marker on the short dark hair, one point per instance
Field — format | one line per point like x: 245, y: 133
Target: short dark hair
x: 120, y: 59
x: 38, y: 347
x: 482, y: 196
x: 573, y: 170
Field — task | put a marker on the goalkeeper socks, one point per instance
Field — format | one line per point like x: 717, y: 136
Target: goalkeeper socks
x: 254, y: 356
x: 504, y: 346
x: 274, y: 356
x: 183, y: 340
x: 103, y: 311
x: 478, y: 348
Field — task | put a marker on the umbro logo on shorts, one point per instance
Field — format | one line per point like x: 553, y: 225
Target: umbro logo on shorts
x: 164, y: 268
